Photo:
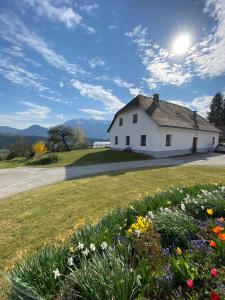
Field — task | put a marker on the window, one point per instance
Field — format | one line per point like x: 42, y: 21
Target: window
x: 121, y: 122
x: 135, y: 118
x: 143, y: 140
x: 213, y: 141
x: 168, y: 139
x: 116, y: 140
x: 127, y: 140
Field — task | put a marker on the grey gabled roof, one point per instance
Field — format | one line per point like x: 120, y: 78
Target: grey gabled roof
x: 168, y: 114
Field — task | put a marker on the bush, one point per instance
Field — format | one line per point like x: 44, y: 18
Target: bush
x: 175, y: 228
x: 34, y: 278
x: 45, y: 159
x: 39, y: 148
x: 106, y: 276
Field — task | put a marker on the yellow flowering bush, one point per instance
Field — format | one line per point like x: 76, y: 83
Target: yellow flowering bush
x: 39, y: 148
x: 142, y: 224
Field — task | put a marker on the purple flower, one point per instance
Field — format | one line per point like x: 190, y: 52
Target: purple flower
x: 166, y: 251
x: 198, y: 244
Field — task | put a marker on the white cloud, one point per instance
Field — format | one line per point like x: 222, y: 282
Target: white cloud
x: 32, y: 114
x: 135, y: 91
x: 97, y: 92
x: 89, y: 29
x: 201, y: 104
x: 19, y: 75
x: 63, y: 14
x: 89, y: 8
x: 122, y: 83
x: 209, y: 55
x: 96, y: 62
x: 13, y: 30
x: 16, y: 51
x: 95, y: 114
x: 61, y: 84
x: 157, y: 61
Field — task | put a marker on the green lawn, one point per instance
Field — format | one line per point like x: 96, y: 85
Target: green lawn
x: 80, y: 157
x: 30, y: 219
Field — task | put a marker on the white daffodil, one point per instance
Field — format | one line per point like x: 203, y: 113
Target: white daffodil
x: 104, y: 245
x: 86, y: 252
x: 56, y: 273
x: 80, y: 246
x: 70, y: 261
x: 182, y: 206
x: 92, y: 247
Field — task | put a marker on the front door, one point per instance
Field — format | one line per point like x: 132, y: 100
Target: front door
x: 194, y: 145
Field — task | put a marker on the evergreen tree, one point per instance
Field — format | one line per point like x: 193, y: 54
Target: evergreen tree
x: 216, y: 113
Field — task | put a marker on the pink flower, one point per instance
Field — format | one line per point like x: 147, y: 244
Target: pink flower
x: 214, y: 272
x: 190, y: 283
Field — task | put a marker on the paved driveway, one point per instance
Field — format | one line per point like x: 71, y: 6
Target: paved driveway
x: 13, y: 181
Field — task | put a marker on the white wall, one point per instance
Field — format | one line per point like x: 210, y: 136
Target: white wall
x: 144, y: 126
x: 182, y: 139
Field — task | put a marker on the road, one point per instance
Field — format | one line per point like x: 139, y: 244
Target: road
x: 16, y: 180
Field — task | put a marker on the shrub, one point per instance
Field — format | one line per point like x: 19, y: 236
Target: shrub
x: 34, y: 278
x: 39, y: 148
x: 106, y: 277
x: 45, y: 159
x: 175, y: 228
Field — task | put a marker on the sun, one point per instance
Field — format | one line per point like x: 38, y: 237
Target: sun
x: 181, y: 44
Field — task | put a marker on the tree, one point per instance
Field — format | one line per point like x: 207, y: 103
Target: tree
x: 216, y: 114
x: 60, y: 135
x: 79, y: 138
x: 20, y: 148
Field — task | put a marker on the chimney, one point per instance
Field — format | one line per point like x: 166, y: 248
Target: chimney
x: 156, y: 98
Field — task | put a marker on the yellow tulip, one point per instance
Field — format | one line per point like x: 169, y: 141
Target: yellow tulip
x: 178, y: 251
x: 209, y: 211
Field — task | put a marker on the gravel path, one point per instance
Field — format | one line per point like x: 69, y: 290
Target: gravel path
x: 13, y: 181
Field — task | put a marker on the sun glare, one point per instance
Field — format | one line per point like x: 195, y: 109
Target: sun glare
x: 181, y: 44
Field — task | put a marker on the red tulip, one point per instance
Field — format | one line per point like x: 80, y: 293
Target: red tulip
x: 190, y: 283
x: 214, y: 296
x: 214, y: 272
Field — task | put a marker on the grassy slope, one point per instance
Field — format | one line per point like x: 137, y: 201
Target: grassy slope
x: 30, y: 219
x: 80, y: 157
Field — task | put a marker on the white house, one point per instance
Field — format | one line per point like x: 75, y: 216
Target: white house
x: 161, y: 129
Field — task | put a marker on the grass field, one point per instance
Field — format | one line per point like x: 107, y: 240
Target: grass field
x: 30, y: 219
x: 80, y: 157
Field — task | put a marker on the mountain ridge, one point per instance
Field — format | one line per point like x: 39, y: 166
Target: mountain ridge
x: 94, y: 129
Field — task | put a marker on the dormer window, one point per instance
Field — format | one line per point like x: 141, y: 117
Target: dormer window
x: 135, y: 118
x: 120, y: 121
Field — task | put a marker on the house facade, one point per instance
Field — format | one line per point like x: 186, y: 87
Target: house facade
x: 161, y: 129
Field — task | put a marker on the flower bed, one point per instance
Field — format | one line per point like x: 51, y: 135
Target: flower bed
x: 167, y: 246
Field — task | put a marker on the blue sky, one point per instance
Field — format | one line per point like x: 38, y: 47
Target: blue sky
x: 65, y: 59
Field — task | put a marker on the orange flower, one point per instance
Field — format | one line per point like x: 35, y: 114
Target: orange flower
x: 212, y: 244
x: 217, y: 229
x: 221, y: 236
x: 210, y: 211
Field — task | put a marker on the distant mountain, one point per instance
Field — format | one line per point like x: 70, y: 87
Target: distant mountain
x: 94, y: 129
x: 35, y: 130
x: 9, y: 130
